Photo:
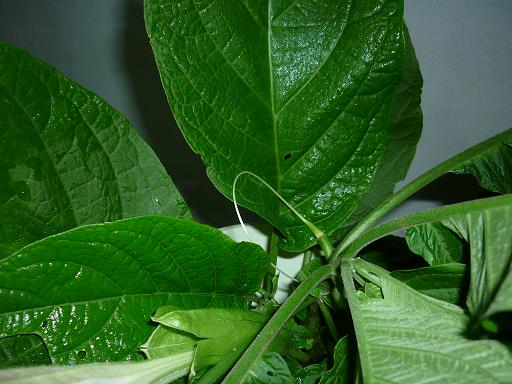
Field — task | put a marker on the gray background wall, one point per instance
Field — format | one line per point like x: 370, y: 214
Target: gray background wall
x: 464, y: 48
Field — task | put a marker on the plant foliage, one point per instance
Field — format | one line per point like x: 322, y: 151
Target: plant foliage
x: 106, y: 277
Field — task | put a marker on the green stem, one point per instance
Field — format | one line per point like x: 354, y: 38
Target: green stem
x: 215, y: 374
x: 328, y: 320
x: 273, y: 249
x: 325, y: 244
x: 308, y: 255
x: 395, y: 199
x: 271, y: 329
x: 423, y: 217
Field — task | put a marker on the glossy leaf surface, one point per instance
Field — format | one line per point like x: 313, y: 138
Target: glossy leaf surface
x: 22, y: 350
x: 404, y: 133
x: 299, y: 93
x: 90, y: 292
x: 68, y: 158
x: 409, y: 337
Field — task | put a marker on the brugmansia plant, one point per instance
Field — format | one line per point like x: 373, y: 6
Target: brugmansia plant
x: 308, y: 113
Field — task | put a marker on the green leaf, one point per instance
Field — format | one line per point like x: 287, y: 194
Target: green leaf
x: 311, y: 374
x: 298, y: 93
x: 444, y: 282
x: 408, y: 337
x: 68, y: 158
x: 492, y: 167
x: 435, y: 243
x: 215, y: 332
x: 155, y: 371
x: 271, y: 368
x: 165, y: 341
x: 340, y: 372
x: 212, y: 322
x: 404, y: 133
x: 23, y: 350
x: 489, y: 234
x: 90, y: 292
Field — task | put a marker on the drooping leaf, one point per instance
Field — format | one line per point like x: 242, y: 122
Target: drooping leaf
x: 340, y: 372
x: 444, y: 282
x: 492, y: 167
x: 68, y: 158
x: 270, y: 369
x: 90, y: 292
x: 408, y: 337
x: 157, y: 371
x: 435, y: 243
x: 404, y: 133
x: 22, y: 350
x: 299, y: 93
x: 489, y: 234
x: 215, y: 332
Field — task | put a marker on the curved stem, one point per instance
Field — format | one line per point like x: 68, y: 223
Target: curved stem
x: 395, y: 199
x: 259, y: 346
x: 423, y: 217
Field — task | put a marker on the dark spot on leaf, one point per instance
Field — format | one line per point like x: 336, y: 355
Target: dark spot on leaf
x: 287, y: 156
x: 270, y: 373
x: 81, y: 354
x: 44, y: 324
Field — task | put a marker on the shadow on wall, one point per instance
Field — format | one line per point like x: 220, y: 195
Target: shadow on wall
x: 161, y: 131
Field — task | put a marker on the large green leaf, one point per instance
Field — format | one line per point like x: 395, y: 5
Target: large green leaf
x: 23, y: 350
x: 298, y: 92
x: 68, y: 158
x: 90, y: 292
x: 408, y: 337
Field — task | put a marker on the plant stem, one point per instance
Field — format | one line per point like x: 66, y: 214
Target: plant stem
x: 283, y: 314
x: 325, y: 244
x: 423, y: 217
x: 273, y: 249
x: 328, y: 320
x: 395, y: 199
x: 215, y: 374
